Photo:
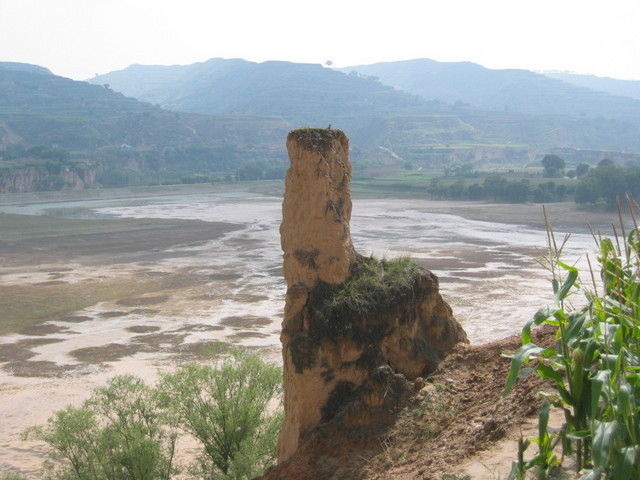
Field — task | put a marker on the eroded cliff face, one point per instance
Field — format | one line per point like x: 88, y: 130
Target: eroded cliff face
x: 347, y: 356
x: 31, y: 179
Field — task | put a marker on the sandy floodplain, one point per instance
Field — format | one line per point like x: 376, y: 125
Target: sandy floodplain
x: 142, y: 285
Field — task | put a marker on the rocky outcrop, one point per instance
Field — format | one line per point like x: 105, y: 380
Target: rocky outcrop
x: 356, y: 330
x: 31, y: 179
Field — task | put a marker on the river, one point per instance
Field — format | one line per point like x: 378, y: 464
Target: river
x: 487, y: 269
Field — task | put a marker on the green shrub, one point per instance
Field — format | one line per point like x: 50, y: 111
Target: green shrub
x: 595, y: 366
x: 227, y: 409
x: 374, y: 284
x: 128, y: 430
x: 119, y: 433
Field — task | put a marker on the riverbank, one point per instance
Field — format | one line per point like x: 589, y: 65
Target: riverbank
x: 118, y: 294
x: 563, y: 214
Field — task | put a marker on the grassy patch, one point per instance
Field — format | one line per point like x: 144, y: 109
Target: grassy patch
x: 24, y: 306
x: 374, y: 284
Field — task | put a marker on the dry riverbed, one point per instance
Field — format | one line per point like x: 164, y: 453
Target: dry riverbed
x: 83, y: 300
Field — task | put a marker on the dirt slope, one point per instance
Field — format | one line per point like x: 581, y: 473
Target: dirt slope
x: 459, y: 413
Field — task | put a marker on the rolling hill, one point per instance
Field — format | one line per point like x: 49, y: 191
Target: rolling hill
x: 613, y: 86
x: 414, y: 108
x: 211, y: 119
x: 518, y: 91
x: 89, y: 135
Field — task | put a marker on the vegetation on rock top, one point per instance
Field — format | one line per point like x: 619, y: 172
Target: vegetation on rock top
x: 375, y: 284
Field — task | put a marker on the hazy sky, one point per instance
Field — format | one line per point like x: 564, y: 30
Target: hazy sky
x: 80, y: 38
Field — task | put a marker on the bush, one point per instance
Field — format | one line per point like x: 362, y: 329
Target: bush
x: 119, y: 433
x: 227, y: 410
x: 374, y: 283
x: 595, y: 366
x: 128, y: 430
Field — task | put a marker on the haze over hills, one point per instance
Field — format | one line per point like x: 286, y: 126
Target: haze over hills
x: 55, y: 132
x: 215, y: 117
x: 299, y: 93
x: 512, y: 90
x: 614, y: 86
x: 24, y: 67
x: 58, y: 112
x: 409, y: 107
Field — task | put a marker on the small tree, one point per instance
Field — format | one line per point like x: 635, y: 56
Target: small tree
x: 249, y: 173
x: 118, y: 434
x: 611, y: 181
x: 226, y: 409
x: 553, y: 166
x: 587, y: 191
x: 494, y: 185
x: 128, y: 430
x: 582, y: 169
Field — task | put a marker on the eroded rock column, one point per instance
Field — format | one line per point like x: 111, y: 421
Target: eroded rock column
x: 316, y: 209
x: 316, y: 242
x: 345, y: 365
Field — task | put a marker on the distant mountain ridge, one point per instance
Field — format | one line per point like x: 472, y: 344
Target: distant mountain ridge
x: 24, y: 67
x: 57, y: 133
x: 614, y: 86
x: 56, y: 111
x: 211, y: 119
x: 512, y: 90
x: 295, y: 91
x: 410, y: 107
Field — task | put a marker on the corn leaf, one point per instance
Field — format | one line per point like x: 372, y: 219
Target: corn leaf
x: 579, y: 434
x: 625, y: 463
x: 518, y: 359
x: 543, y: 421
x: 597, y: 383
x: 575, y: 326
x: 545, y: 371
x: 569, y: 282
x: 540, y: 316
x: 624, y: 400
x: 603, y: 439
x: 592, y: 474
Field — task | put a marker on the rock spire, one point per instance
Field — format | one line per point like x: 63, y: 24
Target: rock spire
x: 355, y: 329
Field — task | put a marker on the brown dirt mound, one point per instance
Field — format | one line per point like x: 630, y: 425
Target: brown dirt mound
x: 459, y: 412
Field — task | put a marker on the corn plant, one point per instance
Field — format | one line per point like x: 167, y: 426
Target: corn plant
x: 595, y: 364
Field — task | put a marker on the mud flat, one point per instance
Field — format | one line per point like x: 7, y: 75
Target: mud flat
x: 139, y: 285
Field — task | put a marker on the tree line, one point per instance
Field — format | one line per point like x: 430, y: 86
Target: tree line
x: 584, y: 184
x: 607, y: 182
x: 498, y: 188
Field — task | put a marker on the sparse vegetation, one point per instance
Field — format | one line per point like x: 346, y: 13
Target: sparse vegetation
x: 500, y: 187
x: 40, y: 238
x: 227, y: 409
x: 24, y: 306
x: 607, y: 182
x: 119, y: 433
